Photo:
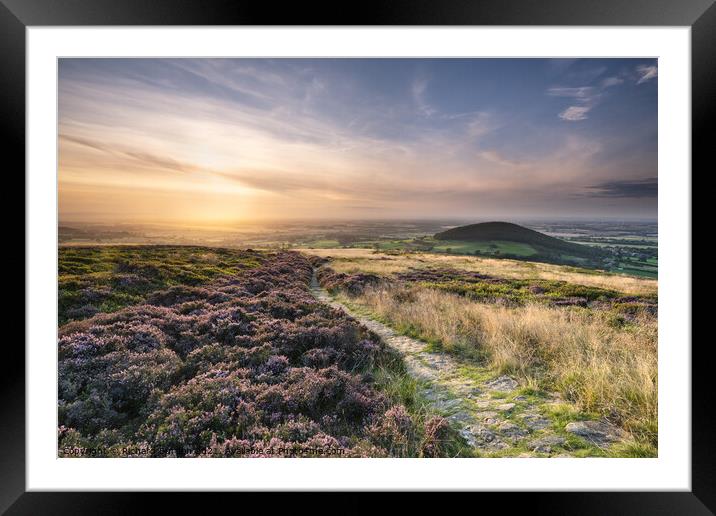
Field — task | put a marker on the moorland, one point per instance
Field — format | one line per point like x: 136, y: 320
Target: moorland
x: 176, y: 350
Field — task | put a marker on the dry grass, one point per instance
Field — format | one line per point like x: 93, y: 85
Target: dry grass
x: 602, y: 368
x: 365, y: 260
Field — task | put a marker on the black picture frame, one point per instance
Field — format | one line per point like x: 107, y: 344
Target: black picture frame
x: 17, y: 15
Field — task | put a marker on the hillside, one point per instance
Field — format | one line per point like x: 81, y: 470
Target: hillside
x: 544, y: 245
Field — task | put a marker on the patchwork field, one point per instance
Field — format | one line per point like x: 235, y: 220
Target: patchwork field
x: 492, y: 246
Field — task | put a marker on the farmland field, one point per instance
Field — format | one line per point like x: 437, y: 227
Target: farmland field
x: 494, y: 246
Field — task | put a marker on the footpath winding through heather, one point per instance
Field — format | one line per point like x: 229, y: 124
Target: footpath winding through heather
x: 491, y: 413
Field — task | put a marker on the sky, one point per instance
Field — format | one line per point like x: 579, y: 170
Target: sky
x: 231, y: 140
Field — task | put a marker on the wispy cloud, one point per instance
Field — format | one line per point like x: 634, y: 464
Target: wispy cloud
x: 589, y: 96
x: 646, y: 73
x: 575, y: 113
x: 633, y: 189
x: 497, y: 158
x: 479, y: 125
x: 585, y: 96
x: 419, y: 95
x: 140, y: 159
x: 582, y: 93
x: 611, y: 81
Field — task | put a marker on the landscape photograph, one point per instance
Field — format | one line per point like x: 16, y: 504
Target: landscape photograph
x: 357, y: 258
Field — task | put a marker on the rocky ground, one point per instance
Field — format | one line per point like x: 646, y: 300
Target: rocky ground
x: 493, y: 413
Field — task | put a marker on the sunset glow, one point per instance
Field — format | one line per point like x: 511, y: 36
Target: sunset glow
x: 219, y: 141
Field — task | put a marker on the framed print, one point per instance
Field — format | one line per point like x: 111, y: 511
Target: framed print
x: 430, y: 248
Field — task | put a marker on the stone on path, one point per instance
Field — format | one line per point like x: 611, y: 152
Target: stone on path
x: 469, y: 437
x: 545, y: 444
x: 511, y: 430
x: 535, y: 421
x: 486, y: 438
x: 596, y: 432
x: 446, y: 404
x: 503, y: 384
x: 488, y: 417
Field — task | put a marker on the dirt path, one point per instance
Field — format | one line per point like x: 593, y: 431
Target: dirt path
x: 493, y: 414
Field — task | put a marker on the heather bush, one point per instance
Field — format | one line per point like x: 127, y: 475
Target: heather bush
x: 394, y: 431
x: 353, y: 284
x: 243, y: 365
x: 436, y: 436
x: 108, y: 278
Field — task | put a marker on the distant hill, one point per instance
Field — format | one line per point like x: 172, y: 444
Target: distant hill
x: 544, y: 245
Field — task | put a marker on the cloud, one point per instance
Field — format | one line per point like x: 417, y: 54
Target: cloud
x: 419, y: 95
x: 646, y: 73
x: 584, y: 92
x: 586, y: 96
x: 495, y: 157
x: 633, y: 189
x: 575, y: 113
x: 611, y: 81
x: 84, y: 142
x: 586, y: 75
x: 479, y: 125
x: 144, y: 159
